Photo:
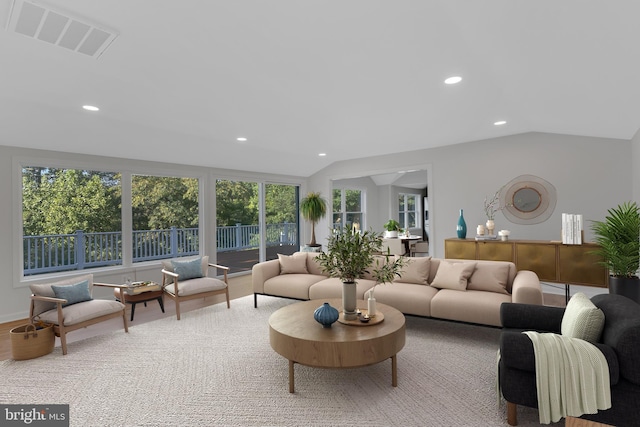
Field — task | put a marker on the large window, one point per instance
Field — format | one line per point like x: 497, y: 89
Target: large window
x: 164, y: 217
x: 71, y: 219
x: 240, y: 237
x: 348, y: 208
x: 408, y: 208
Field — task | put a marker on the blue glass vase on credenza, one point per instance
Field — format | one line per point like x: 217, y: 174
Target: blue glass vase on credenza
x: 462, y: 227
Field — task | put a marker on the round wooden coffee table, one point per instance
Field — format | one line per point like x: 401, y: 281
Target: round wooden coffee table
x: 294, y: 334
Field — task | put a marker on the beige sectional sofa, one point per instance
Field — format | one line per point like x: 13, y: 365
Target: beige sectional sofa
x: 463, y: 290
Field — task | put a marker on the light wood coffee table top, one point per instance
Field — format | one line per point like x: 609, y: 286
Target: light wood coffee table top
x: 294, y: 334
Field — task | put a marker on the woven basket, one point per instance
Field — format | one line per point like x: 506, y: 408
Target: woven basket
x: 27, y: 342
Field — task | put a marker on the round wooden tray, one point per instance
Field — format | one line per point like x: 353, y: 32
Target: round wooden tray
x: 379, y: 317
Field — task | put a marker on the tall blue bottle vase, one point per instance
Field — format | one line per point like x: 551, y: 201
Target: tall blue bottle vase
x: 462, y: 227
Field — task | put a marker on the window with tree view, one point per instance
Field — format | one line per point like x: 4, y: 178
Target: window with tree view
x: 408, y: 209
x: 165, y: 217
x: 347, y: 208
x: 71, y: 219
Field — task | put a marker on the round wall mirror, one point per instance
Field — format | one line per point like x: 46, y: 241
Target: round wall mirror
x: 528, y: 199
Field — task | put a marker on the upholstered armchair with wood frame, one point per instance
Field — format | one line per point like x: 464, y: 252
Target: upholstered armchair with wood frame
x: 187, y: 279
x: 69, y: 305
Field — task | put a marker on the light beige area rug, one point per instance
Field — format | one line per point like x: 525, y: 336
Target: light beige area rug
x: 215, y: 367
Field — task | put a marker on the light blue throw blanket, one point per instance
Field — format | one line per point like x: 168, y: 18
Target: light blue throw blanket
x: 572, y: 377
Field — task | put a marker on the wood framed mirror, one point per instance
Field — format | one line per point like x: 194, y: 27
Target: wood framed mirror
x: 529, y: 199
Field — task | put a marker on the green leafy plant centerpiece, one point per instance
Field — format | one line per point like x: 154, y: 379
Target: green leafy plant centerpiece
x: 618, y: 237
x: 313, y: 208
x: 349, y: 255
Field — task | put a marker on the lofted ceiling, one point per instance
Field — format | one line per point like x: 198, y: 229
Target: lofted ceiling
x: 181, y: 80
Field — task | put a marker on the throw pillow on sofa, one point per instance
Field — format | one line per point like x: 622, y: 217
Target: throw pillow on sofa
x: 453, y: 275
x: 415, y: 271
x: 582, y: 319
x: 293, y: 264
x: 491, y: 277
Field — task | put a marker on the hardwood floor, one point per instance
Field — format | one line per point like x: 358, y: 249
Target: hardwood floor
x: 239, y: 286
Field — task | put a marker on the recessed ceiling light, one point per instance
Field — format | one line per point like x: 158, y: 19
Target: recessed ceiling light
x: 453, y: 80
x: 322, y: 154
x: 90, y: 108
x: 500, y: 123
x: 241, y: 139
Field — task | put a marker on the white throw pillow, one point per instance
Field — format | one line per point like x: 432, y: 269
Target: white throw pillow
x: 582, y: 319
x: 293, y: 264
x: 453, y: 275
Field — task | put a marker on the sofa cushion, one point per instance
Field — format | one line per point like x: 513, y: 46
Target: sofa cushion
x: 167, y: 264
x: 409, y: 298
x: 46, y: 290
x: 415, y: 271
x: 291, y: 285
x: 490, y: 278
x: 78, y: 292
x: 293, y: 264
x: 582, y: 319
x: 453, y: 275
x: 470, y: 306
x: 332, y: 288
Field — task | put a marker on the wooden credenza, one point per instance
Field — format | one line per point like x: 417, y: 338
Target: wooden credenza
x: 550, y: 260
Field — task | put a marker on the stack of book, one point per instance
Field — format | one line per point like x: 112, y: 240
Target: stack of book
x: 572, y: 226
x: 136, y: 288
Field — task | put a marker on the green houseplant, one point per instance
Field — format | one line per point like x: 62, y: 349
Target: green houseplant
x: 619, y: 239
x: 392, y: 226
x: 348, y: 256
x: 313, y: 208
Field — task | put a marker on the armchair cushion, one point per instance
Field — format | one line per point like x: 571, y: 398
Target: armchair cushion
x: 196, y: 286
x: 46, y: 290
x: 83, y: 311
x: 582, y: 319
x: 453, y: 275
x: 74, y: 294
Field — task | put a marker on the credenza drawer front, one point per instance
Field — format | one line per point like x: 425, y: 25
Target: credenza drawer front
x: 495, y: 251
x: 579, y: 266
x: 539, y: 258
x: 460, y: 249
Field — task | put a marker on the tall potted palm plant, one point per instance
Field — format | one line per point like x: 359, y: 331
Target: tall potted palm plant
x: 619, y: 239
x: 313, y: 208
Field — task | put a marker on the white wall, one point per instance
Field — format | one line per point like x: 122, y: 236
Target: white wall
x: 14, y: 302
x: 635, y: 171
x: 590, y: 175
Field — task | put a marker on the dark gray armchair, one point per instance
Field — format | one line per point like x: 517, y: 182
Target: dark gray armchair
x: 620, y: 344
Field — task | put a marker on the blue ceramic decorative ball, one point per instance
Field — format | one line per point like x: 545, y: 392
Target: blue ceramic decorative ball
x: 326, y: 315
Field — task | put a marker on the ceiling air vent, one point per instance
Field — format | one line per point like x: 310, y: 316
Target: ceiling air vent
x: 55, y: 27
